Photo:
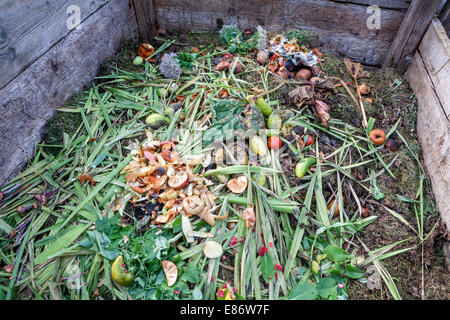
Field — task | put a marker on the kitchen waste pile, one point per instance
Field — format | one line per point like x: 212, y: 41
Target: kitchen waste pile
x: 201, y: 176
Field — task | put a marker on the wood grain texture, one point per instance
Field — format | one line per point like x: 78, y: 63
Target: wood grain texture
x: 435, y: 52
x: 432, y: 123
x: 29, y: 101
x: 444, y: 16
x: 387, y: 4
x: 410, y: 33
x: 31, y: 27
x: 146, y: 18
x: 340, y: 29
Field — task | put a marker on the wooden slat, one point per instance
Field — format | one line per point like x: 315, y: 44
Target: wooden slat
x: 146, y: 18
x: 387, y: 4
x: 29, y: 101
x: 435, y: 52
x: 31, y: 27
x: 429, y: 76
x: 444, y: 16
x: 340, y: 29
x: 412, y: 29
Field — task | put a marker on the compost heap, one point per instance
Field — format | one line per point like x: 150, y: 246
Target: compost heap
x: 169, y: 205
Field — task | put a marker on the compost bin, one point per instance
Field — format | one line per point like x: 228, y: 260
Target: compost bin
x: 161, y: 149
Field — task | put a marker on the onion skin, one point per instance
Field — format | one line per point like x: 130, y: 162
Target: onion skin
x: 323, y: 112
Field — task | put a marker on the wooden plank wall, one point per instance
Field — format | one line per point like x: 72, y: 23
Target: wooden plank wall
x: 410, y: 33
x: 340, y: 26
x: 50, y: 63
x: 30, y: 28
x: 429, y: 77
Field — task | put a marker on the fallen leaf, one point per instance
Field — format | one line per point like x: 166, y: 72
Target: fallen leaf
x: 352, y: 67
x: 86, y: 177
x: 300, y: 95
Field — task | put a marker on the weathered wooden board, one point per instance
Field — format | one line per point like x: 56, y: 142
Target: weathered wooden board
x: 146, y: 18
x: 444, y: 16
x: 31, y: 27
x: 433, y: 124
x: 387, y: 4
x: 410, y: 33
x: 435, y: 52
x: 339, y: 28
x: 29, y: 101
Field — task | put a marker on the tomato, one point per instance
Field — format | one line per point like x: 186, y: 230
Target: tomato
x: 309, y: 140
x: 274, y: 143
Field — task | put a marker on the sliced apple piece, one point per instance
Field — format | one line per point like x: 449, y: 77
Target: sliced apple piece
x: 212, y: 249
x: 238, y: 185
x: 171, y: 272
x: 179, y: 181
x: 169, y: 194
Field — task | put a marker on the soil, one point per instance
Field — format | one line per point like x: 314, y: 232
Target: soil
x: 392, y: 99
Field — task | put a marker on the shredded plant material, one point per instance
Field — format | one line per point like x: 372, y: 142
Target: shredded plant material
x: 216, y: 172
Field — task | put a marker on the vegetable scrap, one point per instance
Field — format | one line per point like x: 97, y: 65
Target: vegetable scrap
x: 216, y: 172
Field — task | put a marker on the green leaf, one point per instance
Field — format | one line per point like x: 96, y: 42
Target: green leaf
x: 267, y: 268
x: 5, y: 227
x: 61, y: 242
x: 191, y: 274
x: 303, y: 291
x: 406, y: 199
x: 348, y: 271
x: 336, y: 254
x: 327, y: 288
x: 230, y: 115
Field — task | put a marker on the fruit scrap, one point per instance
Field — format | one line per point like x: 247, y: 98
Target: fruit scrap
x: 170, y: 271
x: 156, y: 121
x: 377, y: 136
x: 364, y: 89
x: 238, y: 185
x: 120, y: 274
x: 258, y: 146
x: 264, y: 107
x: 249, y: 216
x: 212, y: 249
x: 302, y: 167
x: 274, y: 143
x: 202, y: 204
x: 145, y: 51
x: 157, y: 169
